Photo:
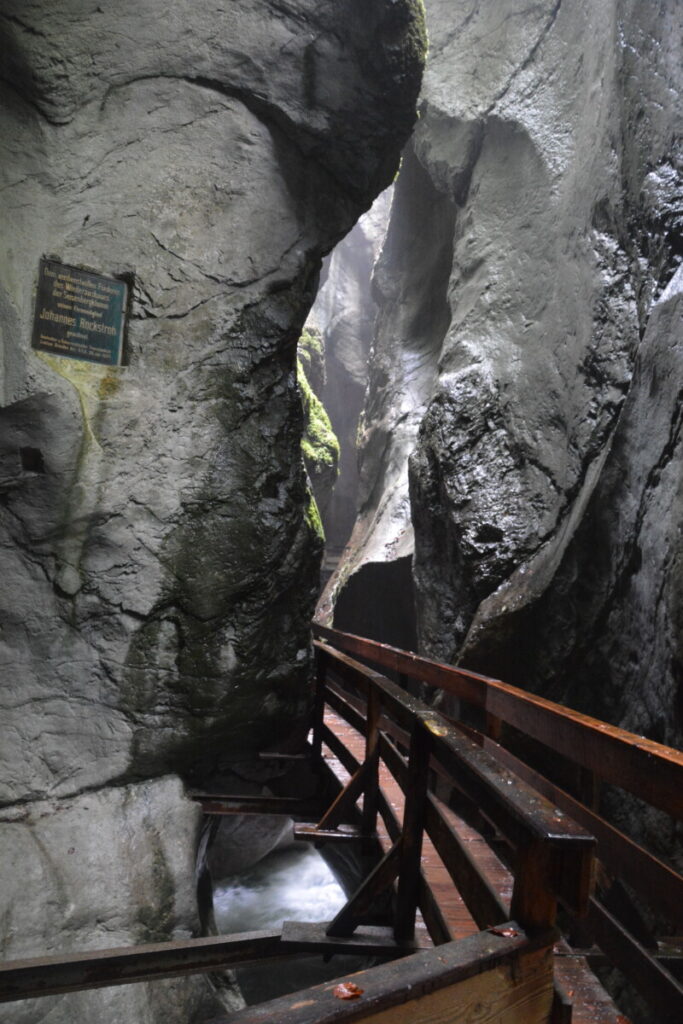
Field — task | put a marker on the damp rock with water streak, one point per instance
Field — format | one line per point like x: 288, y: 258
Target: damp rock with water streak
x: 160, y: 570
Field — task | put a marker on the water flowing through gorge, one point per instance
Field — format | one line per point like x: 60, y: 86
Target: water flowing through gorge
x: 289, y: 884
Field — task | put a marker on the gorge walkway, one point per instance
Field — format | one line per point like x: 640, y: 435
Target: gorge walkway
x: 496, y: 883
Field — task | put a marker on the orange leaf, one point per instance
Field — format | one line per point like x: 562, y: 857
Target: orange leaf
x: 347, y: 990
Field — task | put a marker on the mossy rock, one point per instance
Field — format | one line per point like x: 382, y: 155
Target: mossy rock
x: 319, y: 444
x: 311, y: 354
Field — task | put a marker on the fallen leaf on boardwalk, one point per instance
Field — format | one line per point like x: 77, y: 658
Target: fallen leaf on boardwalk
x: 509, y: 933
x: 347, y: 990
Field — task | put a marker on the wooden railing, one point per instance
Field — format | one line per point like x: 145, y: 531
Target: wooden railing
x: 546, y: 834
x: 618, y: 927
x: 553, y: 855
x: 503, y: 971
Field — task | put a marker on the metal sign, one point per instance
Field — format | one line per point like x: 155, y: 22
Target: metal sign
x: 78, y: 314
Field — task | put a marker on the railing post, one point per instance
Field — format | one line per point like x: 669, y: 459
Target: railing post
x: 534, y: 904
x: 319, y: 704
x: 371, y: 792
x: 413, y: 828
x: 587, y: 788
x: 494, y: 727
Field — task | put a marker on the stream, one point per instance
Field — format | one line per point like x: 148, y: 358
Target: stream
x: 289, y: 884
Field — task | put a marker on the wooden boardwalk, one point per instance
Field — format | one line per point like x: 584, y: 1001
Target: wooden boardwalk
x: 590, y: 1002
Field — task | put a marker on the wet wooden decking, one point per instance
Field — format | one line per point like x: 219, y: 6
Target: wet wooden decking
x: 590, y: 1002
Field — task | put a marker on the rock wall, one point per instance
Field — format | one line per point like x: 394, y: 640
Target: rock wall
x: 541, y: 199
x: 344, y: 311
x: 159, y: 566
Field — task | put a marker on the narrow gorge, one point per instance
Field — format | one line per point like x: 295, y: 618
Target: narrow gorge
x: 403, y: 311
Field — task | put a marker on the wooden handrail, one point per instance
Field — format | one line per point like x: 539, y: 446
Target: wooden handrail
x: 560, y: 850
x: 505, y: 976
x: 647, y: 769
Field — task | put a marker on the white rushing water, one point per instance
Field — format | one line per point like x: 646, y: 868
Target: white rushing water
x: 294, y: 884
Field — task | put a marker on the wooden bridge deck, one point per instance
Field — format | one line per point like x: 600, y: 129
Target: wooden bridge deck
x: 590, y: 1002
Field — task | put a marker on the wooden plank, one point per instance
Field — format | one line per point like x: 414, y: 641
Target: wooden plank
x: 345, y: 757
x: 519, y: 993
x: 352, y: 709
x: 290, y: 806
x: 54, y: 975
x: 313, y: 834
x: 647, y: 769
x: 404, y: 985
x: 661, y: 990
x: 368, y: 940
x: 432, y: 913
x: 433, y: 916
x: 582, y: 998
x: 660, y: 884
x: 481, y: 899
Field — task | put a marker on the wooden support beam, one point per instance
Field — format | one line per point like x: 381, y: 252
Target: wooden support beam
x: 479, y: 896
x: 413, y: 829
x: 371, y: 791
x: 318, y: 711
x: 344, y: 804
x: 534, y: 903
x: 289, y: 806
x: 276, y: 755
x: 360, y: 904
x: 54, y: 975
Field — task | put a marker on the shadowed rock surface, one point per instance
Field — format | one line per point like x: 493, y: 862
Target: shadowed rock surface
x: 158, y: 558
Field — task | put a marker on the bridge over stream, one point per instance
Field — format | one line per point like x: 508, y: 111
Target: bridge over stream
x: 496, y: 883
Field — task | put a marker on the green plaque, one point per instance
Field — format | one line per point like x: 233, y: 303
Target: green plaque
x: 78, y: 314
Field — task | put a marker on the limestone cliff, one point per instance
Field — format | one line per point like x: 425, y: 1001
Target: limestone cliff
x: 157, y: 560
x: 535, y: 228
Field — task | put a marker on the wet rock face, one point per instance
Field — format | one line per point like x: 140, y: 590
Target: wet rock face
x: 546, y: 151
x: 607, y: 635
x: 344, y: 311
x: 411, y: 318
x: 98, y: 871
x: 159, y: 567
x: 158, y: 559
